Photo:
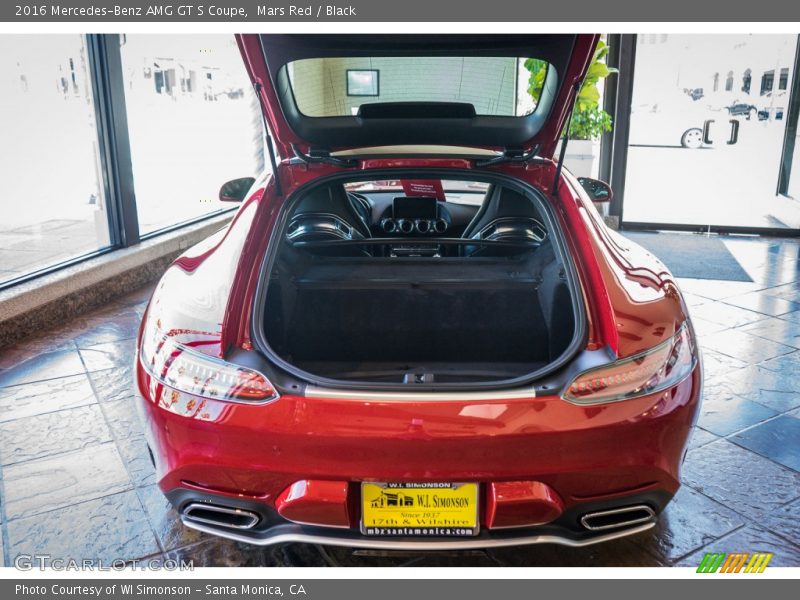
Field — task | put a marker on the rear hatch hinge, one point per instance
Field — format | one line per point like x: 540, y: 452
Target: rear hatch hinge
x: 321, y: 155
x: 513, y: 155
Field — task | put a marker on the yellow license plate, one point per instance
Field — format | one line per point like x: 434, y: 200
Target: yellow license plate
x: 419, y: 509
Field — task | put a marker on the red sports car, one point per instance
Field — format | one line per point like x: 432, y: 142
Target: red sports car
x: 417, y: 331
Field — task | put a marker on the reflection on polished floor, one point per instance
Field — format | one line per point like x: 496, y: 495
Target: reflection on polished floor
x: 76, y: 482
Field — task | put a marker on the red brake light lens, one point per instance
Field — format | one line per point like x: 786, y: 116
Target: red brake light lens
x: 648, y: 372
x: 178, y: 366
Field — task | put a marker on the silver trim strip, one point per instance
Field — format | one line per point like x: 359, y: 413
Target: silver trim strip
x: 618, y: 511
x: 239, y: 512
x: 366, y: 396
x: 417, y: 149
x: 417, y: 544
x: 316, y: 524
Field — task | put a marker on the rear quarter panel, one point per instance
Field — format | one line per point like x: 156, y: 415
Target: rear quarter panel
x: 645, y: 300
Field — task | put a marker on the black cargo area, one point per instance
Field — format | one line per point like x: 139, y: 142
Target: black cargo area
x: 478, y: 295
x: 450, y: 319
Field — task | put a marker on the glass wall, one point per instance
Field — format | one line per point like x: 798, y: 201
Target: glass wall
x: 194, y: 123
x: 52, y: 207
x: 707, y: 129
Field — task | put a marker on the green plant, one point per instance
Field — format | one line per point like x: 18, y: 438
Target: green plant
x: 589, y: 121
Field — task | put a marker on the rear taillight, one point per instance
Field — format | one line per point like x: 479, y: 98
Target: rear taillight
x: 648, y: 372
x: 177, y: 365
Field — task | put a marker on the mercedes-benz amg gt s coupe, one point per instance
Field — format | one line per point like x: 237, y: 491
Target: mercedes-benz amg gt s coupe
x: 417, y: 332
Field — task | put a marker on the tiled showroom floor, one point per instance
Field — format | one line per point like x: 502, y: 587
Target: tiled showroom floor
x: 76, y: 480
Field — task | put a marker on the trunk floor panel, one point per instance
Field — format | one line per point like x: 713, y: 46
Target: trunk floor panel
x: 417, y: 326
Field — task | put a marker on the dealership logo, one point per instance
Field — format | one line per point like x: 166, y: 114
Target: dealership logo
x: 734, y: 562
x: 392, y: 499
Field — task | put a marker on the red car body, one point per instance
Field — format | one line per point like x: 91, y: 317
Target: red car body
x: 290, y: 469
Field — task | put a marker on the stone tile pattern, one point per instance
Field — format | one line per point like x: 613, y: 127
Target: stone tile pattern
x: 67, y: 415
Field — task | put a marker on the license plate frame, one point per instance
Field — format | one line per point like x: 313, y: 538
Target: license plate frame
x: 387, y: 511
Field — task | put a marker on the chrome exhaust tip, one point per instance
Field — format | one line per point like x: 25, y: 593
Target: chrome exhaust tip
x: 222, y: 516
x: 617, y: 517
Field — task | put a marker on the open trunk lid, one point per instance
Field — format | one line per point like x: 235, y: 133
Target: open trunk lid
x: 328, y: 93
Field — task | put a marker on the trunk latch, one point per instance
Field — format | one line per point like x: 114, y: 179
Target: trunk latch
x: 418, y: 378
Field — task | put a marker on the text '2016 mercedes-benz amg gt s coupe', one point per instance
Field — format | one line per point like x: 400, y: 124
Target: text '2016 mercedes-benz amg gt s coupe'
x: 417, y: 332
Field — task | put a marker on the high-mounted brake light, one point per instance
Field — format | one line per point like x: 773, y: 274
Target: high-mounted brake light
x: 648, y: 372
x: 182, y: 368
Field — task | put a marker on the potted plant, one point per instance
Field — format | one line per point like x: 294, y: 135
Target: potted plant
x: 589, y: 120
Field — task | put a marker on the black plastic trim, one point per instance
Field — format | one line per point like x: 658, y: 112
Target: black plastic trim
x: 322, y: 156
x: 416, y: 110
x: 516, y: 155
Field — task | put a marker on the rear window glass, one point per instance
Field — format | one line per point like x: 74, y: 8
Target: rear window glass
x: 495, y: 86
x: 457, y: 192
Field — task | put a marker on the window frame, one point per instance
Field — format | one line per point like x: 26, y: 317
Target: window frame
x: 105, y: 71
x: 377, y: 82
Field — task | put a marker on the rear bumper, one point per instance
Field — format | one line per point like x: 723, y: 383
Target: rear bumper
x: 565, y: 531
x: 289, y: 533
x: 594, y: 457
